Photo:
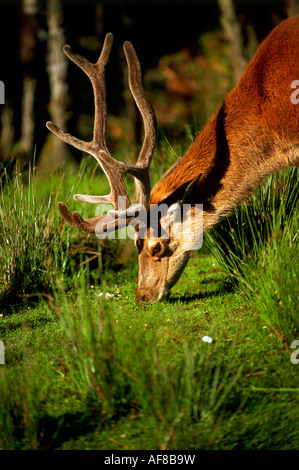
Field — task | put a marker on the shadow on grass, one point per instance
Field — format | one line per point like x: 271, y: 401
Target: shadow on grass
x: 225, y: 288
x: 54, y: 431
x: 11, y: 301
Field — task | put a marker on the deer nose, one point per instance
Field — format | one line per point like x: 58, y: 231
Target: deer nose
x: 147, y: 295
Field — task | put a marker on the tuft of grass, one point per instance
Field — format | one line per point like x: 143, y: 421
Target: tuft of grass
x: 275, y: 290
x: 37, y: 248
x: 128, y: 367
x: 267, y: 217
x: 257, y: 246
x: 99, y: 372
x: 31, y: 247
x: 111, y: 367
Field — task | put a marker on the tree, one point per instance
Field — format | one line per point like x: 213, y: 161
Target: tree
x: 7, y: 132
x: 292, y: 7
x: 55, y: 152
x: 233, y: 33
x: 28, y: 44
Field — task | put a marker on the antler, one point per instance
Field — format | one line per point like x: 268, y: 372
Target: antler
x: 98, y: 148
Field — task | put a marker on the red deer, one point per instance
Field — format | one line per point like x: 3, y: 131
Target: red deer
x: 254, y: 133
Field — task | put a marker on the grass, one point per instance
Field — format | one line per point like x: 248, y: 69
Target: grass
x: 269, y: 219
x: 257, y: 246
x: 87, y: 368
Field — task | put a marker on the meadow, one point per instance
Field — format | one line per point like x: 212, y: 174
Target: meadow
x: 88, y: 368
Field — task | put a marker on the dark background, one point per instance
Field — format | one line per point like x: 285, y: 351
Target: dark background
x: 156, y: 28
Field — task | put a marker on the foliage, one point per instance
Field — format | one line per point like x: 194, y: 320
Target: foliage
x: 258, y: 247
x: 38, y: 250
x: 268, y: 217
x: 31, y: 248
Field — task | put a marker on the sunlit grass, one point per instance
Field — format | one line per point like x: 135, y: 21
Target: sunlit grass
x: 258, y: 247
x: 87, y: 370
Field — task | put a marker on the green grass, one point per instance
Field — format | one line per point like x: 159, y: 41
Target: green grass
x: 269, y: 218
x: 90, y: 371
x: 257, y: 246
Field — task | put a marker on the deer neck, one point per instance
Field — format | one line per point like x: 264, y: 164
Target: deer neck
x: 233, y: 156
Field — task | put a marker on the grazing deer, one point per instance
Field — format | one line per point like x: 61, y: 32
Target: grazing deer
x: 254, y: 133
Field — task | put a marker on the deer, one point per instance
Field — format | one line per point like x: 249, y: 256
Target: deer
x: 254, y: 133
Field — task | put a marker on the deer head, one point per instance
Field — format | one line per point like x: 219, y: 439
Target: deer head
x: 254, y: 133
x: 161, y: 259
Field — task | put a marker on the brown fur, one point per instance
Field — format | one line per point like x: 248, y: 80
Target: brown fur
x: 254, y: 133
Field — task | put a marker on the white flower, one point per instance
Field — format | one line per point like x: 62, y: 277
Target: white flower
x: 105, y: 295
x: 207, y: 339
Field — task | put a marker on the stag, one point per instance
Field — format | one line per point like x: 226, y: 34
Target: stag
x: 254, y: 133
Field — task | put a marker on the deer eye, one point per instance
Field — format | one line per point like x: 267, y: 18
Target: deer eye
x: 156, y: 249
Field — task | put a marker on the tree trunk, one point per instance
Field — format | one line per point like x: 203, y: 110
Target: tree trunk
x: 28, y: 43
x: 7, y: 133
x: 232, y: 30
x: 55, y: 152
x: 292, y: 7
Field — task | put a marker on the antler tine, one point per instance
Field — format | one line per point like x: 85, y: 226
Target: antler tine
x: 98, y: 148
x: 99, y: 95
x: 96, y: 74
x: 97, y: 225
x: 141, y: 169
x: 144, y: 106
x: 142, y: 184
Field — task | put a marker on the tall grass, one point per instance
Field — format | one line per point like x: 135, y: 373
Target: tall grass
x: 37, y: 248
x: 258, y: 248
x: 21, y: 395
x: 115, y: 367
x: 276, y: 290
x: 135, y: 368
x: 268, y: 217
x: 32, y: 248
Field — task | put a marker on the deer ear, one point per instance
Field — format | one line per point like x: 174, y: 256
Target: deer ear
x: 180, y: 194
x: 190, y: 187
